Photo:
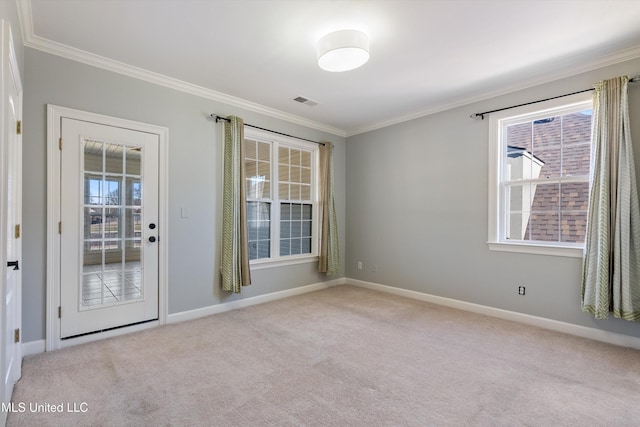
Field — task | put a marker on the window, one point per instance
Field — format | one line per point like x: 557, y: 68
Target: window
x: 281, y: 175
x: 539, y: 177
x: 112, y: 203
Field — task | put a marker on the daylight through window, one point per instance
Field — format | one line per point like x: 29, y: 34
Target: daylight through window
x: 281, y: 197
x: 541, y: 175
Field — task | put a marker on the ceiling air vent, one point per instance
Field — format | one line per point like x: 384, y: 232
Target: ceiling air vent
x: 306, y: 101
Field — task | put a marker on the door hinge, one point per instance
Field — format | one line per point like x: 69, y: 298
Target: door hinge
x: 59, y: 227
x: 19, y: 127
x: 60, y: 144
x: 17, y: 231
x: 59, y: 312
x: 16, y: 335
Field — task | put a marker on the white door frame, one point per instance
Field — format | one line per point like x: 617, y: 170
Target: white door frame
x: 10, y: 80
x: 54, y: 116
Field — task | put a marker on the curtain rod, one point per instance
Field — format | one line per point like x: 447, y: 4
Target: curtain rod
x: 633, y: 79
x: 218, y: 118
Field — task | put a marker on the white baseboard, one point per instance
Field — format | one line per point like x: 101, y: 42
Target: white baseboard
x: 39, y: 346
x: 541, y: 322
x: 33, y: 347
x: 227, y: 306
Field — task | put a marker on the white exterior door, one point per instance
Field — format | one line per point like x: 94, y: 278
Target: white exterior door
x: 109, y: 227
x: 10, y: 218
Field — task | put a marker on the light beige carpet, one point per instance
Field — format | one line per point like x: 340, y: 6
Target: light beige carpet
x: 344, y: 356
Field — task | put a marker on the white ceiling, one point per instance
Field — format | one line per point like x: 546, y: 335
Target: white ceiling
x: 426, y: 55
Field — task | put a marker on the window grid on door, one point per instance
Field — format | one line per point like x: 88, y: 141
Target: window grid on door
x: 112, y: 224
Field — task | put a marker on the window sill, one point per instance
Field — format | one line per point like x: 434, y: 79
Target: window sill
x: 269, y: 263
x: 537, y: 249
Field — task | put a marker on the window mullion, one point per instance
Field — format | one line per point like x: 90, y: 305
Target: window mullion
x: 503, y: 204
x: 275, y: 206
x: 563, y: 179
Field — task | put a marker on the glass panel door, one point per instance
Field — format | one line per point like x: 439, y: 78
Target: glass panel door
x: 109, y: 231
x: 112, y: 214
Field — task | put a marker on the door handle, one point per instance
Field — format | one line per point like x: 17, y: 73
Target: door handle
x: 14, y: 264
x: 152, y: 239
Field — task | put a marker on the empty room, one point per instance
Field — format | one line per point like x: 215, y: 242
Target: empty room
x: 320, y: 213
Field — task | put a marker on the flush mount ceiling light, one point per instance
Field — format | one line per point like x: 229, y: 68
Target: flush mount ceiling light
x: 343, y: 50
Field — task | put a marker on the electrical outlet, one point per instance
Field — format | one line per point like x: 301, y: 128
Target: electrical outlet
x: 359, y: 265
x: 374, y: 268
x: 521, y: 290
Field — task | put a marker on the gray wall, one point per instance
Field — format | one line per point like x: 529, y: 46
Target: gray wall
x: 194, y: 155
x: 417, y: 208
x: 416, y: 191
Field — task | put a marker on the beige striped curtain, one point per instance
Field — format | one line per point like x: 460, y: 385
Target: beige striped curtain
x: 235, y: 247
x: 611, y: 266
x: 329, y: 259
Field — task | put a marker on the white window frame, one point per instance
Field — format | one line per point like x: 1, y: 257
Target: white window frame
x: 276, y: 141
x: 497, y: 148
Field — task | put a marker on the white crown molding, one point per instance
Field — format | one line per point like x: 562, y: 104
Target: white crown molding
x: 54, y: 48
x: 45, y: 45
x: 611, y: 59
x: 26, y: 19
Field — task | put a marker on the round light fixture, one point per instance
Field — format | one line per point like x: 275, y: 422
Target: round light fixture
x: 343, y: 50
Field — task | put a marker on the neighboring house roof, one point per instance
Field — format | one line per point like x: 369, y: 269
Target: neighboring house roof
x: 562, y: 144
x: 515, y: 152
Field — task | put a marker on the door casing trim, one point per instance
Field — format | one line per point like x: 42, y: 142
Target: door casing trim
x: 10, y: 80
x: 55, y: 114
